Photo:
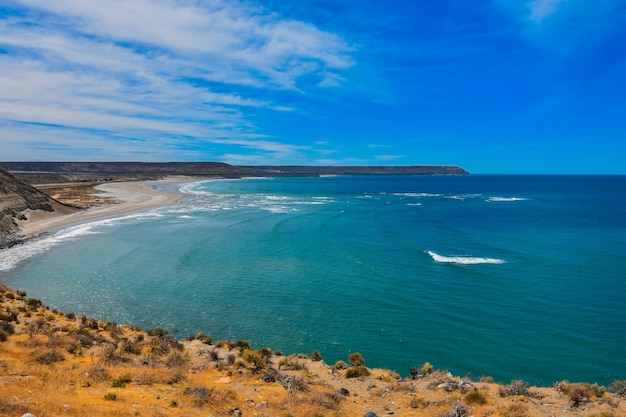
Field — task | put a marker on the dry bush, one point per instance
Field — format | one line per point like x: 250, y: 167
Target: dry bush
x: 291, y: 363
x: 97, y: 374
x: 513, y: 410
x: 327, y: 400
x: 459, y: 410
x: 49, y: 357
x: 580, y: 393
x: 476, y: 397
x: 516, y: 387
x: 618, y: 387
x: 202, y: 396
x: 175, y: 360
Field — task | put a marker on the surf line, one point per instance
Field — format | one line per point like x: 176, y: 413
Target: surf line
x: 464, y: 260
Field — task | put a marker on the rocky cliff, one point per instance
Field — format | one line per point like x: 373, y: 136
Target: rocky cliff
x: 15, y: 198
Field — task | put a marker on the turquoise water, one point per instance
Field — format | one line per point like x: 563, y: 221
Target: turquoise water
x: 508, y: 276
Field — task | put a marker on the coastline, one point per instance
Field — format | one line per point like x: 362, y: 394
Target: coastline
x: 130, y: 196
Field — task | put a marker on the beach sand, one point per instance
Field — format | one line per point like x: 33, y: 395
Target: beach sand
x: 129, y: 197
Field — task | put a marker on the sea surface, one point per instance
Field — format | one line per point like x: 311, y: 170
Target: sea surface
x: 515, y: 277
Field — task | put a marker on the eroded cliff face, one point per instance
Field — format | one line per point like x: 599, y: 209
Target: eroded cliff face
x: 15, y: 198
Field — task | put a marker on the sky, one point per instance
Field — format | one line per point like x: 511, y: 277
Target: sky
x: 493, y: 86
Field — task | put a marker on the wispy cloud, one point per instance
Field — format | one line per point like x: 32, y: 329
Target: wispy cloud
x: 541, y: 9
x: 192, y: 72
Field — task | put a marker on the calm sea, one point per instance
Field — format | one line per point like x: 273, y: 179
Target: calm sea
x: 507, y: 276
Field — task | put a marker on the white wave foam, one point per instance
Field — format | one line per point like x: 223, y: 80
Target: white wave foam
x: 464, y: 260
x: 11, y: 257
x: 416, y: 195
x: 504, y: 199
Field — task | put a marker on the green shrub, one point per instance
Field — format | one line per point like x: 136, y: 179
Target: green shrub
x: 122, y: 381
x: 254, y: 358
x: 356, y: 359
x: 110, y: 396
x: 33, y: 303
x: 357, y: 372
x: 476, y: 397
x: 340, y: 365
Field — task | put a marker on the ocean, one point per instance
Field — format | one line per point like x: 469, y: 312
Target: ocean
x: 514, y: 277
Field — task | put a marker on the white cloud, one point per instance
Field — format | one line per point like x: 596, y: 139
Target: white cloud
x: 541, y: 9
x: 189, y: 71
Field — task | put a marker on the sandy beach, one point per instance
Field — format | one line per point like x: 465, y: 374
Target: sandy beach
x: 131, y: 196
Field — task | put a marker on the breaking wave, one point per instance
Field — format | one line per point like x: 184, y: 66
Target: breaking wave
x: 464, y: 260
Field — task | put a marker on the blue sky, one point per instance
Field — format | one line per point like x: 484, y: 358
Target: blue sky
x: 494, y: 86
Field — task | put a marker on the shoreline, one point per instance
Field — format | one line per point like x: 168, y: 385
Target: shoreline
x: 130, y: 196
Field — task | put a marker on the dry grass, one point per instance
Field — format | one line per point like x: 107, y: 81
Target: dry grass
x: 55, y: 364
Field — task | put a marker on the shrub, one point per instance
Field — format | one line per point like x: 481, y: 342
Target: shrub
x: 7, y: 327
x: 110, y: 396
x: 291, y: 363
x: 316, y: 356
x: 340, y: 365
x: 50, y: 357
x: 3, y: 336
x: 618, y: 387
x: 516, y: 387
x: 242, y: 345
x: 357, y: 372
x: 33, y: 303
x: 254, y: 358
x: 265, y: 352
x: 202, y: 396
x: 513, y: 410
x: 476, y: 397
x: 204, y: 338
x: 459, y: 410
x: 356, y: 359
x: 580, y: 394
x: 122, y: 381
x: 427, y: 368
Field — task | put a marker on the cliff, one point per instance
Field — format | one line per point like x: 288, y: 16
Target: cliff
x: 16, y: 198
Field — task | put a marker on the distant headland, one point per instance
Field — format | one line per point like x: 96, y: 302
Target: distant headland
x: 46, y: 172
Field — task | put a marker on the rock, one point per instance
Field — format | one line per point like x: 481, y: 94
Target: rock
x: 28, y: 415
x: 269, y: 378
x: 370, y: 414
x: 343, y: 391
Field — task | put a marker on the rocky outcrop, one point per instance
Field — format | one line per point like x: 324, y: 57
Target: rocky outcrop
x: 15, y: 198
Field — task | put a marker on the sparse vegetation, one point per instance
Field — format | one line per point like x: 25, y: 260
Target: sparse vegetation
x: 356, y: 359
x: 513, y: 410
x: 357, y: 371
x: 516, y: 387
x: 476, y: 397
x: 580, y: 393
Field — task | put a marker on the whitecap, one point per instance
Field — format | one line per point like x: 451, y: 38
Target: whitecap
x: 11, y: 257
x: 464, y: 260
x: 504, y: 199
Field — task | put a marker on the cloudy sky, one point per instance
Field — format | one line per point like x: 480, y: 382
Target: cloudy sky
x: 494, y: 86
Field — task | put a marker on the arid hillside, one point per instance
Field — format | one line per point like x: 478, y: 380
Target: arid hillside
x: 17, y: 199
